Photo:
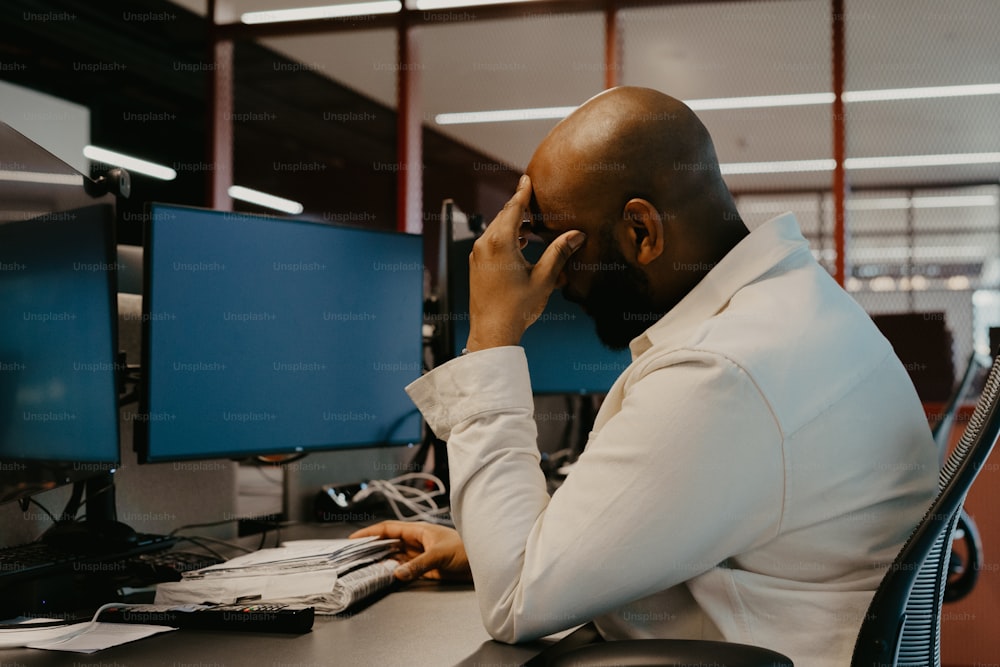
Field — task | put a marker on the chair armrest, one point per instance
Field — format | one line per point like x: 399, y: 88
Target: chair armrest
x: 670, y: 653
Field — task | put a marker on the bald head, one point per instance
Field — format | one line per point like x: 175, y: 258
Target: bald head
x: 632, y: 142
x: 636, y: 170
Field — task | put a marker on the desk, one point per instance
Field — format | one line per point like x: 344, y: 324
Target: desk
x: 426, y: 624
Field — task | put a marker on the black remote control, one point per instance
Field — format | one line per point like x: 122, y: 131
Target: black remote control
x: 249, y: 617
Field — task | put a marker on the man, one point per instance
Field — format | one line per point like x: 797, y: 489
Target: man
x: 751, y: 473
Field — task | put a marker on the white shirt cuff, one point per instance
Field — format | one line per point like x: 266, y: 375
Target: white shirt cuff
x: 488, y: 381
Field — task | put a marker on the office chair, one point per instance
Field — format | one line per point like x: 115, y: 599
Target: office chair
x: 962, y: 572
x: 903, y: 623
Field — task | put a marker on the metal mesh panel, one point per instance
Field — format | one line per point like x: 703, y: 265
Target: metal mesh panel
x: 922, y: 161
x: 705, y: 51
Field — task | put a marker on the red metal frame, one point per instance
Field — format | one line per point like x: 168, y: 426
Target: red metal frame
x: 839, y: 142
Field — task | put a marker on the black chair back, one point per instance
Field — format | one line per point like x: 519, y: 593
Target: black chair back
x: 902, y: 627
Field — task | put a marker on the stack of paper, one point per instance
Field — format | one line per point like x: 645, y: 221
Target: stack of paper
x: 329, y: 575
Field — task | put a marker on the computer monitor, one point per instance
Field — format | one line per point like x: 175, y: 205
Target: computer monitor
x: 565, y: 356
x: 265, y: 335
x: 58, y: 324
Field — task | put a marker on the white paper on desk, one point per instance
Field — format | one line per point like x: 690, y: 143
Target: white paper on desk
x: 100, y: 636
x: 31, y: 630
x: 298, y: 555
x: 229, y: 589
x: 350, y: 589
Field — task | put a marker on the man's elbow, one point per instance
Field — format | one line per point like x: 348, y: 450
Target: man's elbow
x: 511, y: 627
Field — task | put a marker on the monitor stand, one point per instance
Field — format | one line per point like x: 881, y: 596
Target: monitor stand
x: 100, y: 532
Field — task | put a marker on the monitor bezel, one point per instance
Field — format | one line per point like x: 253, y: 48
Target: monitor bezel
x: 22, y: 478
x: 141, y: 435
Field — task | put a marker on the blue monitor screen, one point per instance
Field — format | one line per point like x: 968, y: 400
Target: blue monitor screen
x: 565, y: 356
x: 58, y: 388
x: 266, y: 335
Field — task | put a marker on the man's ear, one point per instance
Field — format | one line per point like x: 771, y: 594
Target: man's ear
x: 644, y: 228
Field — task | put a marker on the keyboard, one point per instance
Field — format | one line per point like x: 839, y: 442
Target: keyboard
x: 38, y: 559
x: 41, y: 578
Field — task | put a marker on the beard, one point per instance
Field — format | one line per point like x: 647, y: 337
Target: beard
x: 619, y: 300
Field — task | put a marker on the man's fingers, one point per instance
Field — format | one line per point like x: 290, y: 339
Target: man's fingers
x: 370, y: 531
x: 416, y: 567
x: 552, y: 261
x: 389, y: 530
x: 508, y: 220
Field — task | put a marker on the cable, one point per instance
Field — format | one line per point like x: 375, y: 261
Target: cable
x: 32, y: 501
x: 12, y: 636
x: 269, y: 480
x: 197, y: 542
x: 74, y: 502
x: 202, y: 525
x: 421, y: 504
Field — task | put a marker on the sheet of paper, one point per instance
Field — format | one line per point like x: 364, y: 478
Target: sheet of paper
x: 30, y: 630
x: 300, y: 553
x: 101, y: 636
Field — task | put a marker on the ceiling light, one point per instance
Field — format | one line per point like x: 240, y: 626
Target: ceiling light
x: 40, y: 177
x: 425, y: 5
x: 921, y: 93
x: 870, y: 204
x: 760, y: 101
x: 882, y: 162
x: 130, y: 163
x: 882, y: 284
x: 958, y: 283
x: 324, y: 12
x: 266, y: 200
x: 888, y: 203
x: 779, y: 167
x: 920, y: 253
x: 954, y: 201
x: 502, y: 115
x: 714, y: 104
x: 896, y: 161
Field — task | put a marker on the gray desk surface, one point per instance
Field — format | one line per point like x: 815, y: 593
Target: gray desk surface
x: 426, y: 624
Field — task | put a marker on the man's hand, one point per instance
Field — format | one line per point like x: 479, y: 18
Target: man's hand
x: 427, y: 550
x: 507, y: 293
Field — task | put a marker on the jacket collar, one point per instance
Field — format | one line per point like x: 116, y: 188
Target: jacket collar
x: 760, y: 251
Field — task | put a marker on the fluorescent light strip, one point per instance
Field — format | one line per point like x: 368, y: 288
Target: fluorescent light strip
x: 425, y: 5
x: 923, y: 254
x: 871, y: 204
x: 501, y: 116
x: 264, y: 199
x: 761, y: 101
x: 130, y: 163
x: 324, y: 12
x: 754, y: 102
x: 886, y: 203
x: 886, y: 162
x: 956, y: 201
x: 891, y: 94
x: 942, y: 160
x: 40, y: 177
x: 779, y: 167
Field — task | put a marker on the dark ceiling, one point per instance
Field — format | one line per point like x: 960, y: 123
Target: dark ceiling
x: 296, y: 132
